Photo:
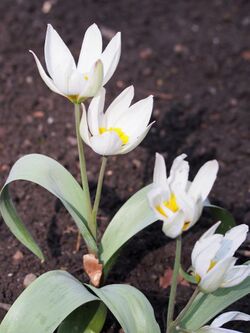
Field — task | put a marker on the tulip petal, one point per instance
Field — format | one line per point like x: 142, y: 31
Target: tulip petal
x: 229, y: 316
x: 57, y: 55
x: 210, y: 231
x: 45, y: 77
x: 236, y: 275
x: 204, y: 180
x: 111, y: 56
x: 175, y: 227
x: 215, y: 277
x: 160, y: 172
x: 84, y: 126
x: 208, y: 329
x: 91, y: 49
x: 119, y: 106
x: 95, y: 112
x: 137, y: 118
x: 91, y: 87
x: 179, y: 172
x: 106, y: 144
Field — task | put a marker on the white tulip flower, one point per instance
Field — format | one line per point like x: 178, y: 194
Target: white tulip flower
x: 175, y: 200
x: 215, y: 326
x: 121, y: 128
x: 93, y: 70
x: 213, y: 261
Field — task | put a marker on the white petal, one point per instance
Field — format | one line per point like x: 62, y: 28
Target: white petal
x: 57, y: 55
x: 160, y: 172
x: 155, y: 199
x: 179, y: 173
x: 137, y: 118
x: 119, y: 106
x: 202, y: 247
x: 95, y: 112
x: 106, y: 144
x: 135, y: 141
x: 45, y: 77
x: 174, y: 228
x: 237, y: 235
x: 110, y: 57
x: 203, y: 254
x: 236, y: 275
x: 215, y: 277
x: 208, y: 329
x: 229, y: 316
x: 211, y: 230
x: 92, y: 86
x: 91, y: 49
x: 84, y: 126
x: 204, y: 180
x: 177, y: 163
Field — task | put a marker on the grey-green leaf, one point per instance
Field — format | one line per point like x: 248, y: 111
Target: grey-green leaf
x: 130, y: 307
x: 45, y: 304
x: 223, y: 215
x: 131, y: 218
x: 207, y: 306
x: 88, y: 318
x: 51, y: 175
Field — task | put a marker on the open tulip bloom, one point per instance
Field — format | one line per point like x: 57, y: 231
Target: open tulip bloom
x: 213, y: 260
x: 215, y: 326
x: 175, y: 200
x: 93, y: 70
x: 121, y: 128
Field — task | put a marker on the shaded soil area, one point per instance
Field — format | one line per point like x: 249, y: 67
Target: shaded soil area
x: 194, y: 56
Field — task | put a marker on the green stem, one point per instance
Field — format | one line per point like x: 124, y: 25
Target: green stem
x: 185, y: 309
x: 171, y: 303
x: 99, y: 191
x: 84, y: 177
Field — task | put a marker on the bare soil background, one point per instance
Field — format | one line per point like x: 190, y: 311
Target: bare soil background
x: 194, y: 56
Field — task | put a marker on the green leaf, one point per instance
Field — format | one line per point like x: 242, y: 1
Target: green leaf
x: 45, y: 304
x: 223, y: 215
x: 187, y: 276
x: 130, y: 307
x: 207, y: 306
x: 51, y: 175
x: 88, y: 318
x: 131, y: 218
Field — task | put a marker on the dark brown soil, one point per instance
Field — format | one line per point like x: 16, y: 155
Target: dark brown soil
x: 194, y: 56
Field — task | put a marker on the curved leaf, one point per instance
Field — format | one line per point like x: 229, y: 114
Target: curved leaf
x: 223, y: 215
x: 45, y: 304
x: 51, y: 175
x: 131, y: 218
x: 207, y: 306
x: 130, y: 307
x: 89, y: 318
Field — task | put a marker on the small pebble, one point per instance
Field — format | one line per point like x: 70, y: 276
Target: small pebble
x: 18, y: 256
x: 29, y: 278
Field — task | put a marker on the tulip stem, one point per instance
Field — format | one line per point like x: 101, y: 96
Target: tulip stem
x: 171, y: 303
x: 99, y: 191
x: 185, y: 309
x: 83, y: 170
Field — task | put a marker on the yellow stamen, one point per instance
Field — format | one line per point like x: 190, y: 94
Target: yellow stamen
x: 186, y: 225
x: 212, y: 264
x: 123, y: 136
x: 86, y: 77
x: 197, y: 278
x: 171, y: 204
x: 73, y: 98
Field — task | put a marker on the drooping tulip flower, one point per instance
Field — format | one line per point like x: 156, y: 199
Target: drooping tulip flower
x: 121, y: 128
x: 213, y: 261
x: 177, y: 201
x: 215, y: 326
x: 93, y: 70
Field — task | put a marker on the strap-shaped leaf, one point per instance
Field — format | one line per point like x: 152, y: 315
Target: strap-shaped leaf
x: 45, y: 304
x: 88, y: 318
x: 130, y: 307
x: 51, y: 175
x: 223, y: 215
x: 131, y: 218
x: 207, y: 306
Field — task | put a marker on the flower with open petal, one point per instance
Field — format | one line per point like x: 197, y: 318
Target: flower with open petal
x: 121, y: 128
x: 213, y: 260
x: 215, y: 326
x: 93, y: 70
x: 175, y: 200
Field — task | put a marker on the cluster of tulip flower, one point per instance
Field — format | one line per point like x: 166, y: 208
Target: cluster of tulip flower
x: 56, y: 300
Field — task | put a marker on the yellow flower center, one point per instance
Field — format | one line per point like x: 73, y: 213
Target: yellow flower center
x: 123, y: 136
x: 86, y: 77
x: 171, y: 204
x: 198, y: 277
